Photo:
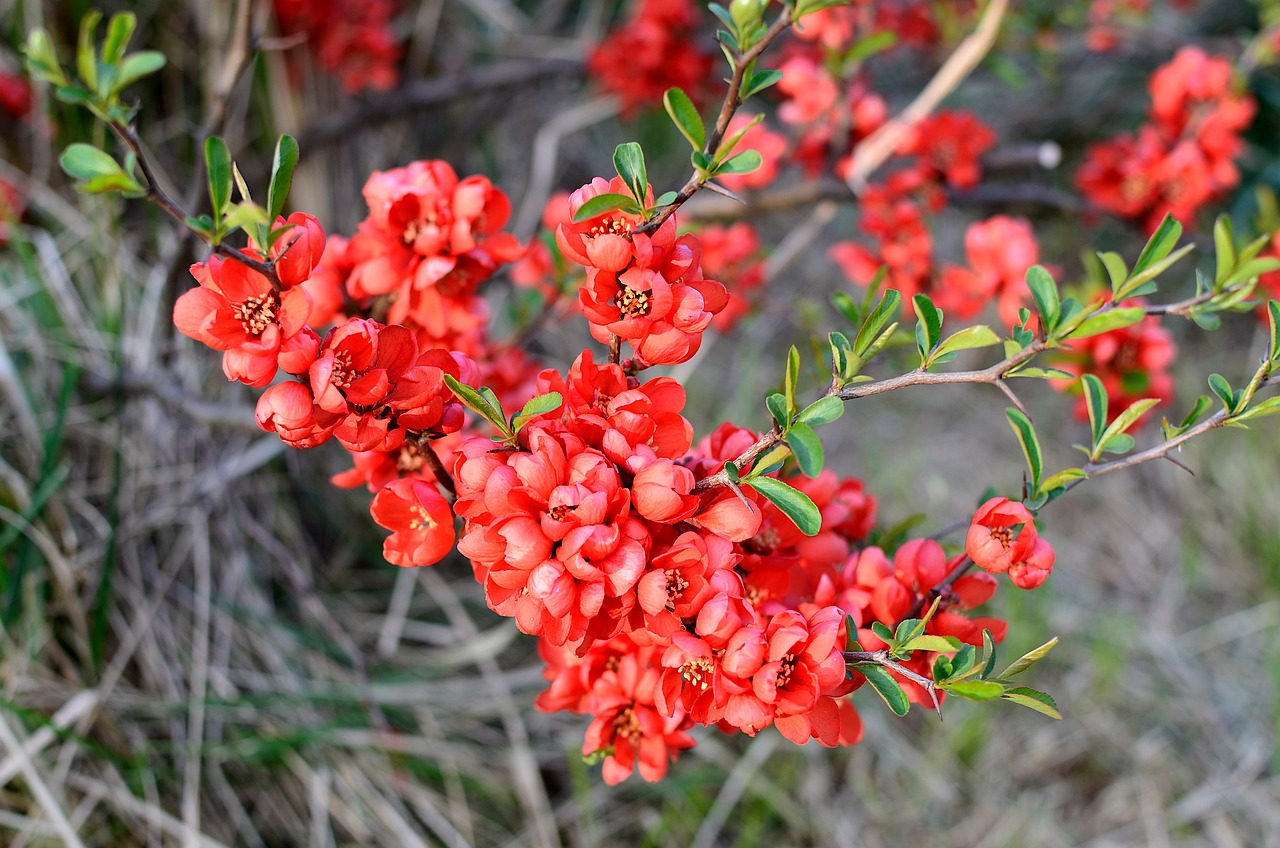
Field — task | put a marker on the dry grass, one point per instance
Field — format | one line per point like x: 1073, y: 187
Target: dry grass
x: 199, y: 644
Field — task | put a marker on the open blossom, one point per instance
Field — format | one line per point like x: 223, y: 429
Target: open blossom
x: 235, y: 310
x: 999, y: 251
x: 646, y: 289
x: 992, y: 542
x: 420, y: 519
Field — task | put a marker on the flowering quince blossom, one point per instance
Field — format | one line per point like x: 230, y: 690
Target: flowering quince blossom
x: 235, y: 310
x: 999, y: 250
x: 991, y: 541
x: 420, y: 519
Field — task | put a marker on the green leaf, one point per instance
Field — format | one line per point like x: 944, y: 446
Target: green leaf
x: 942, y: 667
x: 822, y: 411
x: 1042, y: 373
x: 776, y: 403
x: 283, y: 161
x: 86, y: 162
x: 1119, y: 443
x: 540, y: 405
x: 795, y: 504
x: 790, y: 379
x: 929, y: 327
x: 988, y: 653
x: 1095, y: 399
x: 685, y: 116
x: 890, y: 303
x: 42, y: 59
x: 963, y: 660
x: 771, y: 461
x: 886, y: 687
x: 1140, y: 283
x: 1220, y: 387
x: 1044, y: 291
x: 807, y: 447
x: 1224, y: 244
x: 975, y: 690
x: 876, y: 42
x: 243, y: 216
x: 1273, y: 320
x: 1030, y: 698
x: 1108, y: 320
x: 1028, y: 659
x: 1201, y: 406
x: 968, y: 339
x: 665, y: 199
x: 1116, y: 269
x: 136, y: 66
x: 1270, y: 406
x: 602, y: 203
x: 759, y: 81
x: 1125, y: 420
x: 628, y: 159
x: 841, y: 367
x: 1159, y: 245
x: 218, y: 161
x: 120, y: 183
x: 1061, y: 478
x: 740, y: 163
x: 908, y: 629
x: 1030, y: 444
x: 851, y: 634
x: 731, y: 471
x: 945, y: 644
x: 86, y: 54
x: 479, y: 403
x: 119, y: 31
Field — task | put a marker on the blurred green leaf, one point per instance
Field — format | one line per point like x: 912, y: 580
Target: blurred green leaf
x: 1044, y: 292
x: 119, y: 30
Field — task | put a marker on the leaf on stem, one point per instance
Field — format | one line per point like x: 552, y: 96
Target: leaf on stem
x: 628, y: 159
x: 685, y: 116
x: 1026, y: 434
x: 283, y: 162
x: 886, y: 687
x: 795, y: 504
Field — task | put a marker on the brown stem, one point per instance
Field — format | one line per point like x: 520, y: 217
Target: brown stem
x: 157, y: 195
x: 727, y: 109
x: 429, y: 455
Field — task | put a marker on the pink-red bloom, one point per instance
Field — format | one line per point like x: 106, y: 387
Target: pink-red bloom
x: 420, y: 519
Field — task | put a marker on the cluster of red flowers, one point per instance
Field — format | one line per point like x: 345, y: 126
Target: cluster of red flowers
x: 942, y: 151
x: 351, y: 39
x: 657, y: 48
x: 1184, y: 156
x: 377, y: 388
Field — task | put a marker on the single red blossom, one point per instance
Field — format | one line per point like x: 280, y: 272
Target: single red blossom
x: 235, y: 310
x: 289, y: 410
x: 420, y: 521
x: 298, y: 251
x: 991, y: 541
x: 951, y: 143
x: 627, y: 726
x: 1035, y: 569
x: 15, y: 96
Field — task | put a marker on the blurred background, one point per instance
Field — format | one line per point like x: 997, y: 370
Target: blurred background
x: 200, y: 643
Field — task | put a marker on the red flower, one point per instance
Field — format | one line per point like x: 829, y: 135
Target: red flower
x: 234, y: 309
x: 420, y: 521
x: 628, y: 728
x: 655, y: 50
x: 289, y: 410
x: 991, y: 542
x: 1034, y: 570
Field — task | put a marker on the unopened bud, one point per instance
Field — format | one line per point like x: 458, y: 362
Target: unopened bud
x: 747, y: 13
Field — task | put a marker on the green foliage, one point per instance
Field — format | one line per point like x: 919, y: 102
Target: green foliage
x: 795, y: 504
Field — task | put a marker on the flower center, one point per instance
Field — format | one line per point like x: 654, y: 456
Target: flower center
x: 256, y: 313
x: 421, y: 521
x: 409, y: 459
x: 1003, y: 535
x: 698, y: 672
x: 787, y: 666
x: 560, y: 513
x: 343, y: 373
x: 627, y: 726
x: 632, y: 303
x: 611, y: 227
x: 675, y: 586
